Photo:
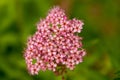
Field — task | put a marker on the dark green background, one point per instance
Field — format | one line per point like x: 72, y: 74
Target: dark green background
x: 101, y: 37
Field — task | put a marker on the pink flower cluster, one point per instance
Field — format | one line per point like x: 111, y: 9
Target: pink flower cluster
x: 54, y: 43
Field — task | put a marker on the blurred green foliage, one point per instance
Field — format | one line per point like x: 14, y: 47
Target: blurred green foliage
x: 101, y: 38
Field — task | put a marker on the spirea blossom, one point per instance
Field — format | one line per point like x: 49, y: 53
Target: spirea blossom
x: 54, y: 44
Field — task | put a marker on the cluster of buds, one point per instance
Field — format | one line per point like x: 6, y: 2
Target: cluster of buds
x: 54, y: 44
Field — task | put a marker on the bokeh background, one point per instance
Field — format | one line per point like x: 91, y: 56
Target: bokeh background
x: 101, y: 37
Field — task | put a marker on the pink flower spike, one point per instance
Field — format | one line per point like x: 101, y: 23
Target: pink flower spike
x: 55, y: 44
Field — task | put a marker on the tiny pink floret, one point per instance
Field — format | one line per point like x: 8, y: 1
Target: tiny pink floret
x: 54, y: 43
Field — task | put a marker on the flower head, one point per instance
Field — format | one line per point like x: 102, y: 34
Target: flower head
x: 54, y: 43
